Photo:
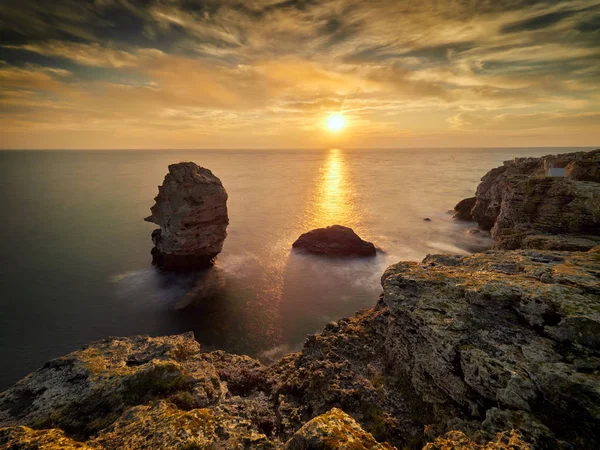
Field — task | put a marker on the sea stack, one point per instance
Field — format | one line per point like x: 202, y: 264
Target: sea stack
x: 336, y: 241
x: 191, y: 210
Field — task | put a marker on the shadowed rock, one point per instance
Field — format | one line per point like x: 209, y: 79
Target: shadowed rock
x: 462, y: 210
x: 191, y: 210
x: 335, y: 240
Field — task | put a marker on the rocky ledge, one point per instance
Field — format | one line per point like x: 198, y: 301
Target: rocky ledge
x: 499, y: 350
x: 335, y: 241
x: 523, y: 207
x: 191, y: 210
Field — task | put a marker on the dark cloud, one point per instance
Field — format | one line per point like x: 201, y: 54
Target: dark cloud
x: 440, y: 53
x: 538, y: 22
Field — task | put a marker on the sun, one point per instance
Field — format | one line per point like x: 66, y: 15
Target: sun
x: 335, y: 123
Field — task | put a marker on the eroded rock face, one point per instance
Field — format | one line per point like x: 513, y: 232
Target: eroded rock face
x: 467, y: 343
x: 336, y: 241
x: 525, y: 209
x: 496, y: 350
x: 191, y: 210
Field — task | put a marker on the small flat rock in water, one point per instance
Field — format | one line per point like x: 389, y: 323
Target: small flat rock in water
x: 335, y: 240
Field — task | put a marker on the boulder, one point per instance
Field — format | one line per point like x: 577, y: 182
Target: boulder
x: 336, y: 240
x: 334, y: 430
x: 191, y: 210
x: 462, y: 210
x: 522, y: 207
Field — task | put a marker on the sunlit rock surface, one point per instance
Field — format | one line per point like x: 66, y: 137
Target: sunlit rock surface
x: 333, y: 430
x: 457, y: 440
x: 496, y: 350
x: 524, y: 208
x: 336, y: 240
x: 191, y: 210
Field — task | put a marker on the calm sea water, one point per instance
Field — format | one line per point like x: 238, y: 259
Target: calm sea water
x: 76, y: 253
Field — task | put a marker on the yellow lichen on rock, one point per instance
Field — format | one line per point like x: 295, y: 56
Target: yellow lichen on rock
x: 457, y: 440
x: 24, y: 438
x: 334, y: 430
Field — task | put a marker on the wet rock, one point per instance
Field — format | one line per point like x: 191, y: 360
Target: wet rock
x: 333, y: 430
x: 191, y: 210
x: 426, y: 219
x: 335, y: 240
x: 462, y: 210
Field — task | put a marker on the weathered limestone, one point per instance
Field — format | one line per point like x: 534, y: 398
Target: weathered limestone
x: 524, y: 208
x: 191, y: 210
x: 336, y: 240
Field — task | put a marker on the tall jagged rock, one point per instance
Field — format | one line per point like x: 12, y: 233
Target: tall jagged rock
x: 524, y: 208
x: 191, y: 210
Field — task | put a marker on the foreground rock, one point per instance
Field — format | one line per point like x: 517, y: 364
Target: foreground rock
x: 499, y: 350
x: 336, y: 240
x: 334, y: 430
x: 524, y: 208
x: 191, y: 210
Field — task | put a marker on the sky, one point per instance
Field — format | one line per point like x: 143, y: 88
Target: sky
x: 142, y: 74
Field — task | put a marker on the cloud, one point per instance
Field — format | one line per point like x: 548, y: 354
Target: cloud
x: 273, y: 65
x: 92, y: 54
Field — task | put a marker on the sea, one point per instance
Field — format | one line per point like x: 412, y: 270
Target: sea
x: 75, y: 250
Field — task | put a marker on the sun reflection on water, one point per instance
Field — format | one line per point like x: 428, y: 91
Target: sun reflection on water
x: 333, y: 201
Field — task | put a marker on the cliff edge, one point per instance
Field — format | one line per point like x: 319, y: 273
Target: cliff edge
x: 551, y: 203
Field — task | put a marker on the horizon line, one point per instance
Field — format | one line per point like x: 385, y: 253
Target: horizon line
x: 298, y: 148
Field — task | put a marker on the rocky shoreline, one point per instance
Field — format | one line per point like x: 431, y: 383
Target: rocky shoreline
x: 501, y: 348
x: 525, y: 207
x: 497, y: 350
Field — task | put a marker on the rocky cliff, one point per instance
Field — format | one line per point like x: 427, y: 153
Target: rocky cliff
x: 191, y: 210
x: 499, y: 350
x: 524, y: 208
